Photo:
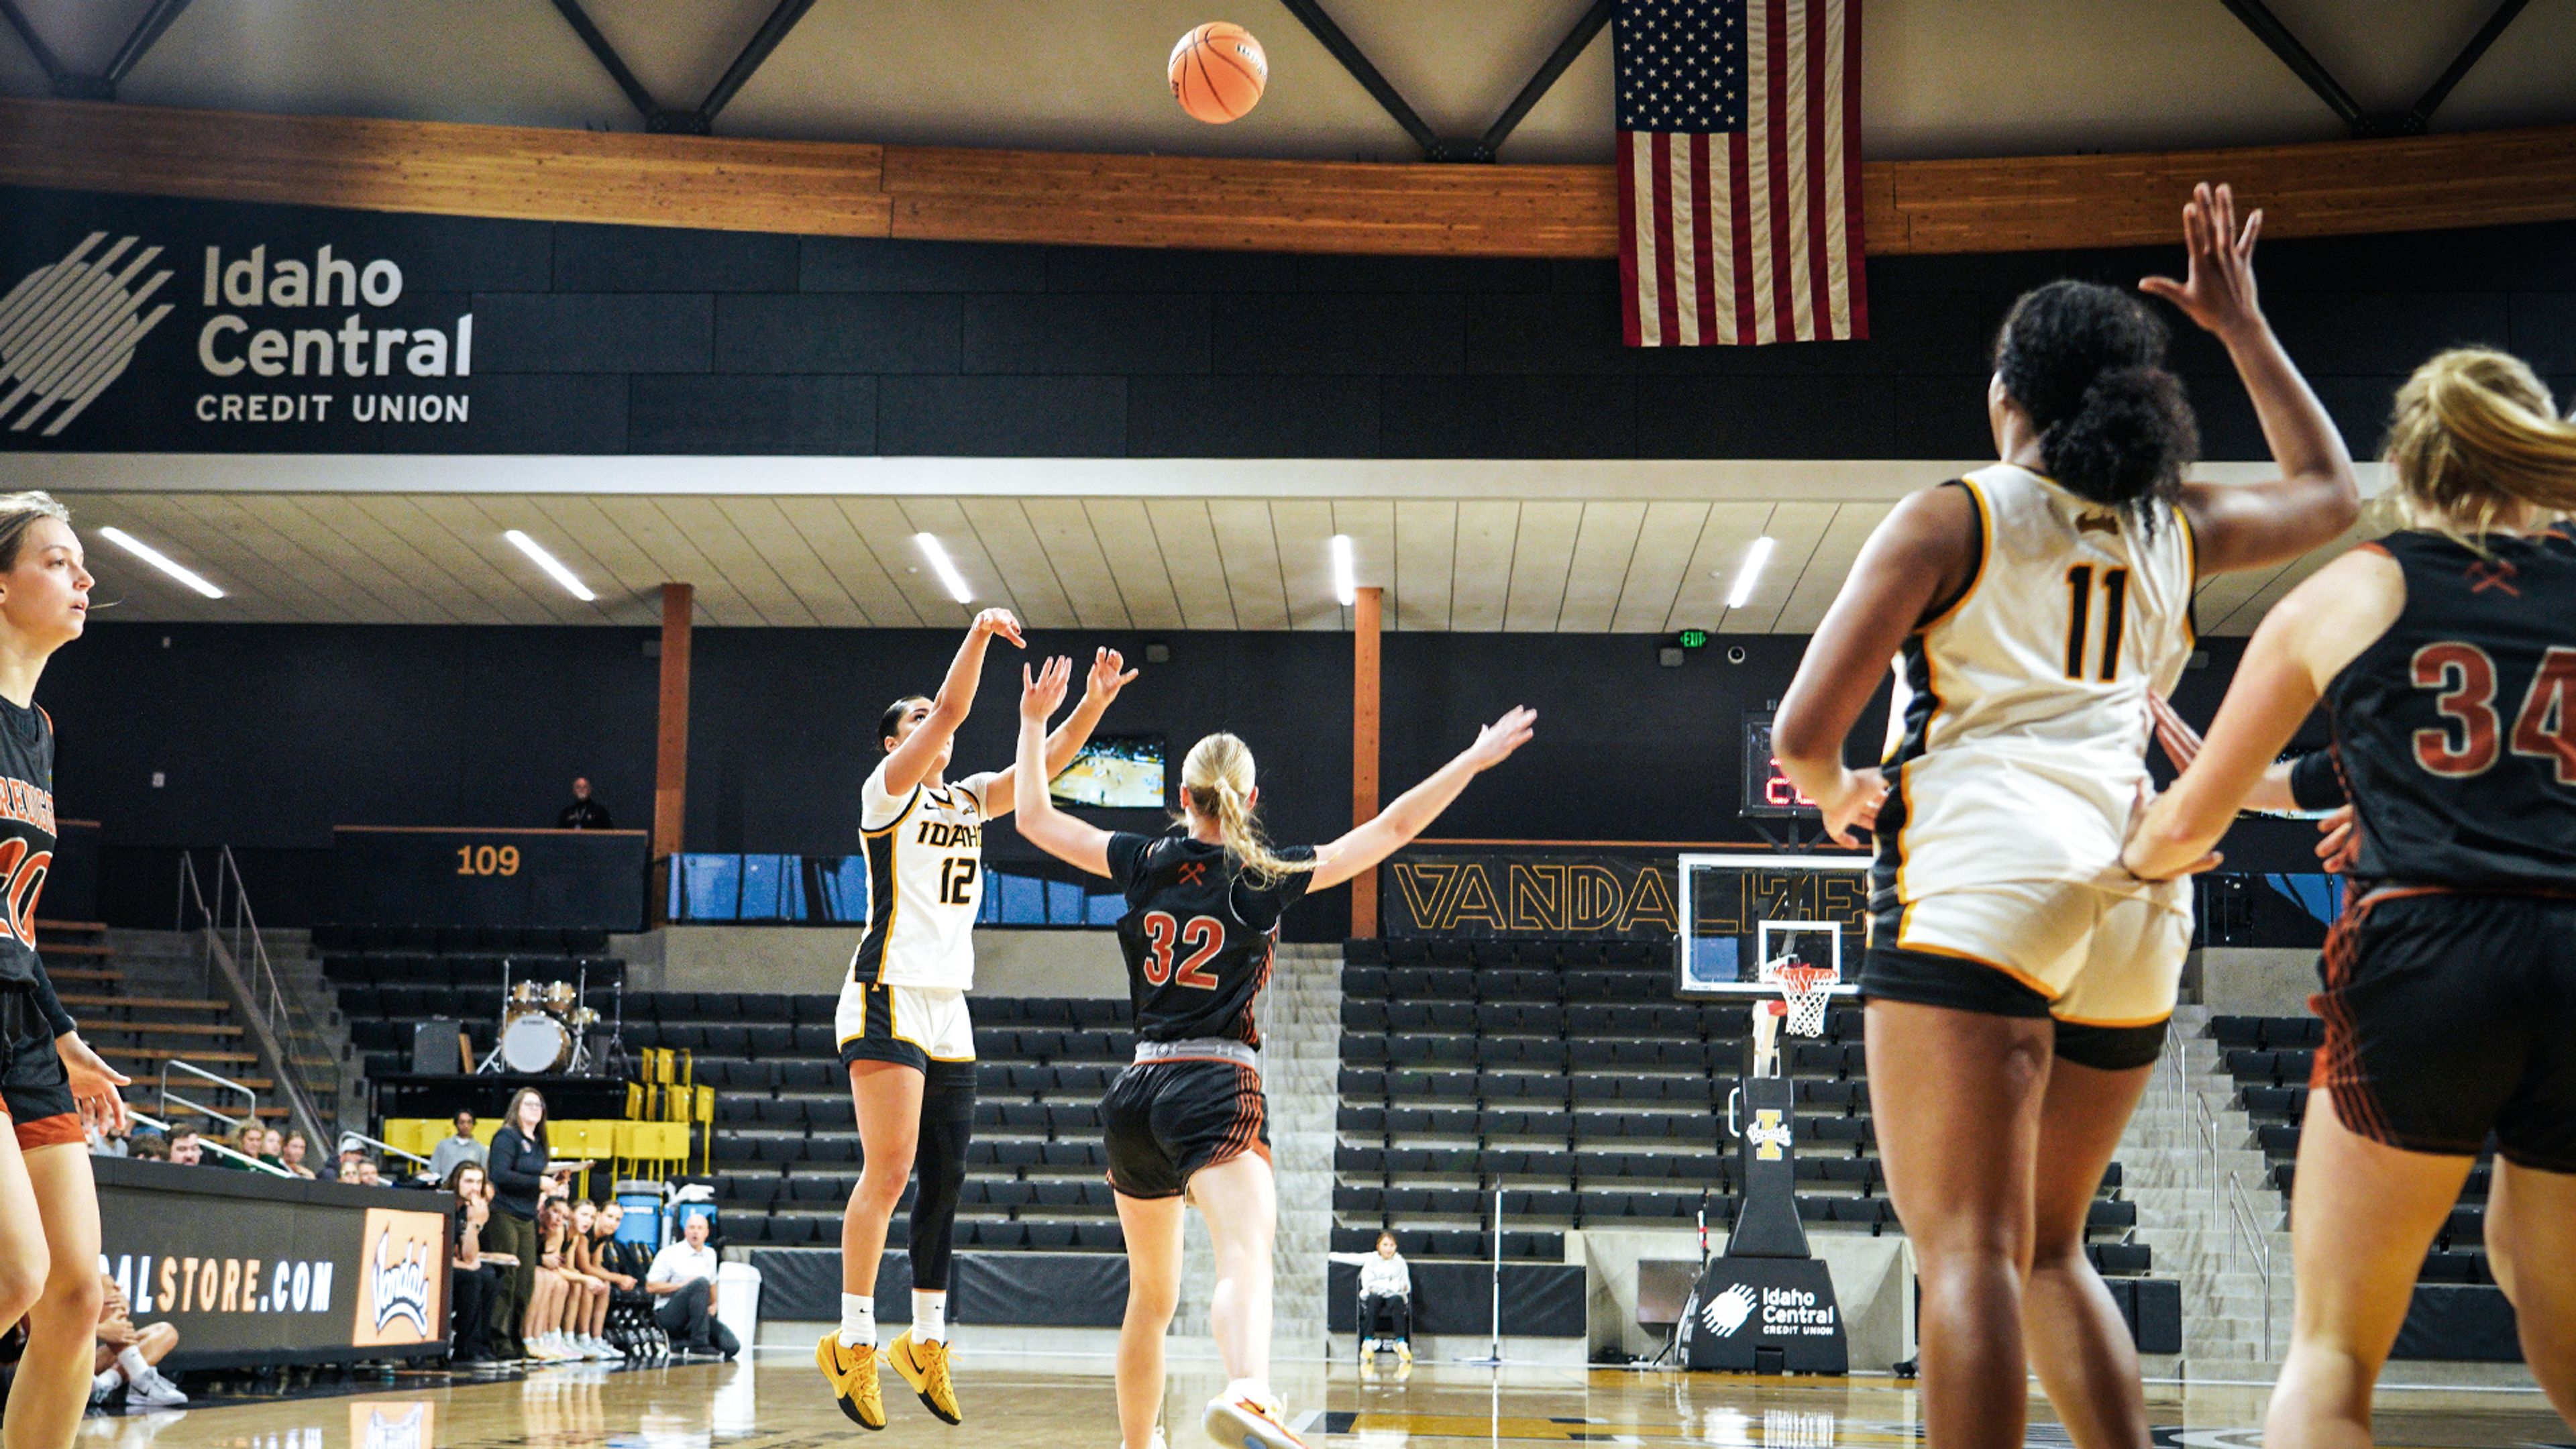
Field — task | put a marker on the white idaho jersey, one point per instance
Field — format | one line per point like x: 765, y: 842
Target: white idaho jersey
x: 925, y: 855
x: 2018, y: 731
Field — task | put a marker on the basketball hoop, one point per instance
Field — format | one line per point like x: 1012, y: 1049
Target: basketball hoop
x: 1804, y: 991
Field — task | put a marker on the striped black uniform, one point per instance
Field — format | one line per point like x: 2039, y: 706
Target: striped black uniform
x: 33, y: 1087
x: 2450, y: 986
x: 1198, y: 935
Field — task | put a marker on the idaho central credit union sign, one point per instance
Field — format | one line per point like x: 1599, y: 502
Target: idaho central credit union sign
x: 188, y: 339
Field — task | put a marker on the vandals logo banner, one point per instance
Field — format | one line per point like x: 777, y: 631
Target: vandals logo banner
x: 402, y: 1270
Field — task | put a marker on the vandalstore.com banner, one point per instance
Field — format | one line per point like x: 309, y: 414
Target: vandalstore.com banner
x: 1605, y: 896
x: 255, y: 1270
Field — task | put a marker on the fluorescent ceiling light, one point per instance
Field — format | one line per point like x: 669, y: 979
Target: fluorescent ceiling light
x: 1750, y: 574
x: 159, y: 560
x: 1346, y: 586
x: 947, y: 571
x: 553, y: 567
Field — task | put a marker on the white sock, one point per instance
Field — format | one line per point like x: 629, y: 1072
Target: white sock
x: 858, y: 1320
x: 105, y: 1382
x: 929, y: 1317
x: 130, y: 1359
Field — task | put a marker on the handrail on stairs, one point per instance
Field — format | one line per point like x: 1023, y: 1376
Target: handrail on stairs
x: 235, y: 949
x: 2246, y: 1227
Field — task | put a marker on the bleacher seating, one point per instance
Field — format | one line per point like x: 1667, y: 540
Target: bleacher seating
x: 1566, y: 1075
x: 2270, y: 1057
x: 786, y: 1149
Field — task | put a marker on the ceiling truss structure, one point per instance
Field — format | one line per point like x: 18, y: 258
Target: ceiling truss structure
x: 73, y: 86
x: 664, y: 120
x: 1485, y: 148
x: 2368, y: 125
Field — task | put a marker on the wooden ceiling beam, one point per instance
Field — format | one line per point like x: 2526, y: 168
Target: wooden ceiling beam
x: 840, y: 189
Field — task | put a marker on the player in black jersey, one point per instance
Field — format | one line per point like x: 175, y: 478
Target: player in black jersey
x: 48, y: 1076
x: 1186, y: 1122
x: 2446, y: 657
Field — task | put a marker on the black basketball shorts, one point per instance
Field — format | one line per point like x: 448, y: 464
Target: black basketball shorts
x: 1167, y: 1121
x: 2451, y: 1015
x: 35, y: 1091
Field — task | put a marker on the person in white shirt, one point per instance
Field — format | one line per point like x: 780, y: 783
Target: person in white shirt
x: 1386, y: 1301
x: 683, y: 1276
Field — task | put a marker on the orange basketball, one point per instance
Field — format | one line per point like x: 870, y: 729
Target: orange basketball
x: 1217, y: 72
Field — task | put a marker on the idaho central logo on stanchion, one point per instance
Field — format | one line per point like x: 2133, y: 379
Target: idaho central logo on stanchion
x: 1769, y: 1135
x: 1728, y: 1311
x: 69, y: 329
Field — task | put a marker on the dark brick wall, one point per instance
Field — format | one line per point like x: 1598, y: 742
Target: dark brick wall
x: 613, y: 339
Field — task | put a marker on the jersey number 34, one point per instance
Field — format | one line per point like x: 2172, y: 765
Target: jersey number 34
x: 1202, y: 938
x: 2543, y: 728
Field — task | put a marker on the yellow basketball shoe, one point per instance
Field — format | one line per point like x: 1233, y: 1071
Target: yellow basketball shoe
x: 852, y: 1373
x: 923, y: 1363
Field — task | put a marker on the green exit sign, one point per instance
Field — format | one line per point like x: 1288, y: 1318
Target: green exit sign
x: 1694, y: 639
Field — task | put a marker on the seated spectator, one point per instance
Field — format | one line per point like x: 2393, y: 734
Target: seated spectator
x: 683, y: 1276
x: 106, y: 1138
x: 623, y: 1265
x: 1386, y: 1301
x: 272, y: 1148
x: 453, y: 1152
x: 126, y: 1356
x: 370, y: 1175
x: 245, y: 1143
x: 150, y: 1147
x: 290, y: 1155
x: 186, y: 1150
x: 474, y: 1274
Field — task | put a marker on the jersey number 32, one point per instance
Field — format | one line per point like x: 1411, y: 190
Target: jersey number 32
x: 1202, y: 938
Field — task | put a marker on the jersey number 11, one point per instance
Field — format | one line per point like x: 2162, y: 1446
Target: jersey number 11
x: 2079, y: 631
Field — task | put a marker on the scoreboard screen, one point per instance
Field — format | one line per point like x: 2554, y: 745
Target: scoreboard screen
x: 1768, y: 789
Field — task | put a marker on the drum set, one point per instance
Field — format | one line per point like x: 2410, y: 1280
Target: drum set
x: 549, y: 1027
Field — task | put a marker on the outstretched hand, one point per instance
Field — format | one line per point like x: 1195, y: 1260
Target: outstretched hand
x: 1105, y: 680
x: 1001, y: 624
x: 2181, y: 741
x: 2218, y: 289
x: 1495, y: 742
x: 1042, y: 691
x: 93, y: 1081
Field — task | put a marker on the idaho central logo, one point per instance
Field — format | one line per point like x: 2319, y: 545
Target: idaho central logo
x: 69, y: 329
x: 1769, y: 1135
x: 1728, y: 1311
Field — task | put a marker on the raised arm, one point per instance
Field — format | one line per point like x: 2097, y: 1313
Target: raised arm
x: 2307, y: 639
x: 1075, y: 842
x: 1920, y: 553
x: 1415, y: 809
x: 1109, y: 674
x: 912, y: 759
x: 2244, y: 526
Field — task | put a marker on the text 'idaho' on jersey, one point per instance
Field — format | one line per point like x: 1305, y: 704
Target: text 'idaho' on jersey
x: 2456, y: 729
x: 925, y: 851
x: 1198, y: 934
x: 2018, y: 730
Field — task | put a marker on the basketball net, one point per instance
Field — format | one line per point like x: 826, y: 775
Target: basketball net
x: 1804, y: 991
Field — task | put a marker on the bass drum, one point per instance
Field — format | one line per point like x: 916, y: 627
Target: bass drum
x: 536, y: 1041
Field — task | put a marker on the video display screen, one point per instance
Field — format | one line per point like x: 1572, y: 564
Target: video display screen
x: 1118, y: 772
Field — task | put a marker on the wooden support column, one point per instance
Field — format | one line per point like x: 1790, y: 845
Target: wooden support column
x: 1365, y: 619
x: 671, y: 739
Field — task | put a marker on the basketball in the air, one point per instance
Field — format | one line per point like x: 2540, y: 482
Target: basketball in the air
x: 1218, y: 71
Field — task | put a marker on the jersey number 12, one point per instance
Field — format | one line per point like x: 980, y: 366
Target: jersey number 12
x: 2079, y: 624
x: 956, y: 880
x: 1202, y: 937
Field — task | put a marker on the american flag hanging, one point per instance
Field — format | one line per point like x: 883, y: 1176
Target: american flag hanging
x: 1739, y: 171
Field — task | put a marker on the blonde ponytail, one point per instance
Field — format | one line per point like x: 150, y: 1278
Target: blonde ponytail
x: 2475, y: 433
x: 1216, y: 781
